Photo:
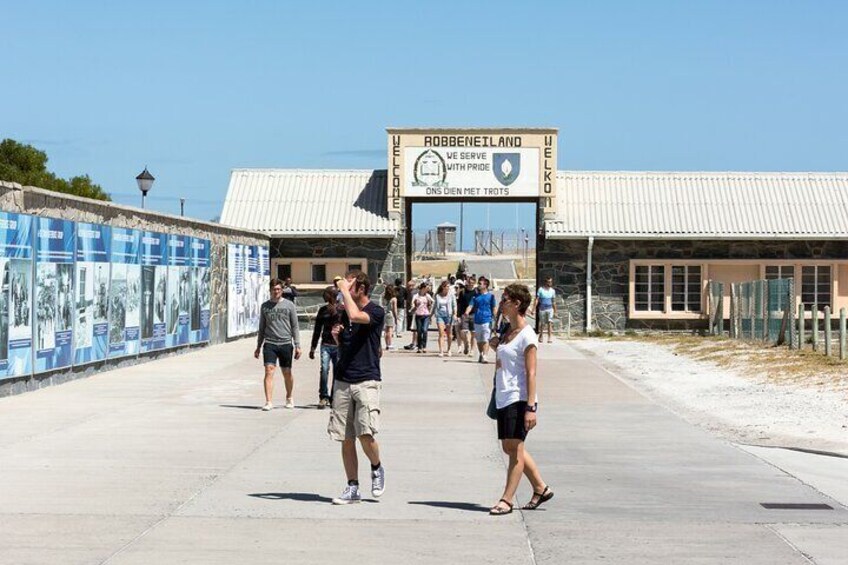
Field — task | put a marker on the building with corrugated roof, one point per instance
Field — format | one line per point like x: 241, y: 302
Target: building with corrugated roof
x: 640, y: 245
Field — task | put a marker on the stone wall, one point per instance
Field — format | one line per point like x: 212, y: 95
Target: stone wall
x: 565, y: 261
x: 39, y: 202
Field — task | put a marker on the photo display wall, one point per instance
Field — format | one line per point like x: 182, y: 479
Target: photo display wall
x: 75, y: 293
x: 16, y: 240
x: 179, y: 283
x: 125, y: 293
x: 248, y: 277
x: 55, y: 248
x: 154, y: 284
x: 201, y: 294
x: 91, y: 332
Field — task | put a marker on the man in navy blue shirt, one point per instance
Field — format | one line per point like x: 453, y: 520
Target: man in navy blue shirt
x: 357, y: 383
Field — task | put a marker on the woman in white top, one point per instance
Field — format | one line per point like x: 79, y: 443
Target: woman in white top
x: 445, y: 312
x: 515, y: 385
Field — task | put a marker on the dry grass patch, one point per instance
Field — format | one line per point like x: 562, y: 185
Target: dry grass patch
x: 778, y: 365
x: 438, y: 269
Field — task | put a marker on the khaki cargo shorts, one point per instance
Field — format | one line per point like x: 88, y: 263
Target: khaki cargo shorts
x: 356, y: 410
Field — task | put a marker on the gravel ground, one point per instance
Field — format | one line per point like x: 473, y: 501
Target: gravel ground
x: 737, y: 405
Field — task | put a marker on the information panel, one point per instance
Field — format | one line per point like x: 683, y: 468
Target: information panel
x: 254, y: 288
x: 54, y: 294
x: 91, y: 332
x: 16, y: 240
x: 200, y: 290
x: 125, y: 293
x: 179, y: 283
x: 236, y: 295
x: 154, y: 283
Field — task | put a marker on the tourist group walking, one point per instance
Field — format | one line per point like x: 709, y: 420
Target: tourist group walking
x: 351, y: 332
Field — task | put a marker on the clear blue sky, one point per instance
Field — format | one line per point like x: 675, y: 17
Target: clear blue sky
x: 194, y: 89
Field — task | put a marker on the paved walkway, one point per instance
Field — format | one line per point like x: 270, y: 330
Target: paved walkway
x: 171, y: 462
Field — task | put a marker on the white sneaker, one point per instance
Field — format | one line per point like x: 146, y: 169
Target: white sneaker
x: 378, y: 482
x: 450, y: 353
x: 289, y: 403
x: 268, y: 406
x: 349, y: 496
x: 441, y: 354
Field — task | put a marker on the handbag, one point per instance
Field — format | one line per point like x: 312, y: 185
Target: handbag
x: 492, y: 408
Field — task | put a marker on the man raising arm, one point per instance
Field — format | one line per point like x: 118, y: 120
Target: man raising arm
x: 356, y: 395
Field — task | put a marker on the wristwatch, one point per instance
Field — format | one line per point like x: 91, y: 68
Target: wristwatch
x: 532, y: 408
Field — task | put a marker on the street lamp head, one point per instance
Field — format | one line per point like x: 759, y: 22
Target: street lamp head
x: 145, y: 181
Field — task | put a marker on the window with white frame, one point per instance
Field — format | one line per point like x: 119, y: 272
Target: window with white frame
x: 686, y: 288
x: 649, y: 293
x: 816, y: 285
x: 780, y: 272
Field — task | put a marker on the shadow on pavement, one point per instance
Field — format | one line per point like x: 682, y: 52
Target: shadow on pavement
x: 467, y: 506
x: 243, y: 407
x: 299, y: 496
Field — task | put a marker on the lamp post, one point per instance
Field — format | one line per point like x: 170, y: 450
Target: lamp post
x: 182, y: 206
x: 145, y: 183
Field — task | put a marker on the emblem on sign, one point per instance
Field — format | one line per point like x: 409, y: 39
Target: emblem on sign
x: 506, y: 167
x: 430, y: 169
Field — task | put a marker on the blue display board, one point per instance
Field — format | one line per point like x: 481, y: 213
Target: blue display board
x: 125, y: 293
x: 16, y: 240
x: 154, y: 295
x: 179, y: 287
x: 236, y: 295
x: 54, y: 293
x: 91, y: 330
x: 253, y: 284
x: 200, y: 295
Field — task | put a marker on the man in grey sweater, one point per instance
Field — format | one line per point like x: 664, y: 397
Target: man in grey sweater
x: 278, y: 340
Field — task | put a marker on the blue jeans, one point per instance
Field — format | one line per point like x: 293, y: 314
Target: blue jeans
x: 328, y: 353
x: 422, y: 324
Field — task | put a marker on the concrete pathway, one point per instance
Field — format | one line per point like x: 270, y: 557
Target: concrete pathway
x: 172, y: 462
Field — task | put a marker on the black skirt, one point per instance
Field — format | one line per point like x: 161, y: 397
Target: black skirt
x: 511, y: 421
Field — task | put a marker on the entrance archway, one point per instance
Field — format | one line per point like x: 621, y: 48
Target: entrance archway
x: 496, y: 246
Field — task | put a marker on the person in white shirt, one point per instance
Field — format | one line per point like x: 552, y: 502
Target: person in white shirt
x: 516, y: 400
x: 444, y: 309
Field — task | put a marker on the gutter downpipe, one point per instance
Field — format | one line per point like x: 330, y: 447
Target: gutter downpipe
x: 589, y: 284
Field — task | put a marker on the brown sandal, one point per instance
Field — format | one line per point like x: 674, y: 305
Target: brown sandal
x: 498, y: 510
x: 543, y: 497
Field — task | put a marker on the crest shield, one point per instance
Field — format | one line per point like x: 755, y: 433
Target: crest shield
x: 506, y: 167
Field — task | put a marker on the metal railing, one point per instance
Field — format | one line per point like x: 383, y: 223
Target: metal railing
x: 485, y: 242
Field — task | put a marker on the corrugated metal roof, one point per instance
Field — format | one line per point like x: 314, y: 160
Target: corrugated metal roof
x: 299, y: 202
x: 704, y: 205
x: 612, y: 204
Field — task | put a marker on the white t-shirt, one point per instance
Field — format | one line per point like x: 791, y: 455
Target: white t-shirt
x: 511, y: 374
